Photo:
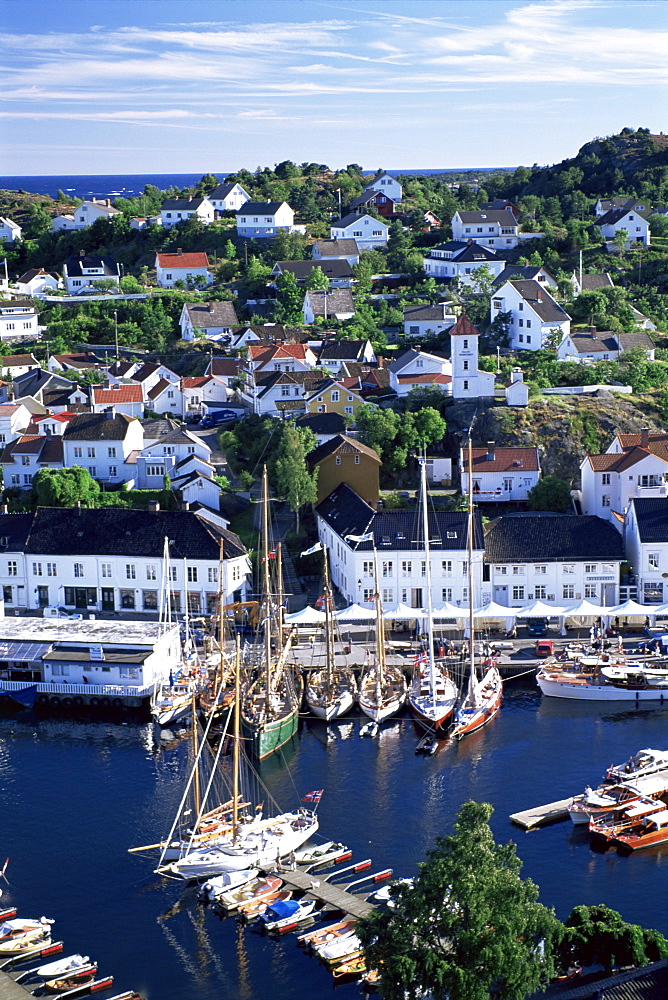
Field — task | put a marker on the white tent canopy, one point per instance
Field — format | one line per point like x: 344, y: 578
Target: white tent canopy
x: 355, y: 613
x: 632, y: 609
x: 538, y: 609
x: 402, y: 613
x: 585, y: 609
x: 448, y: 610
x: 307, y: 616
x: 492, y: 610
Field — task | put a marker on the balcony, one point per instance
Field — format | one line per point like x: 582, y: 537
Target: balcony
x: 657, y: 490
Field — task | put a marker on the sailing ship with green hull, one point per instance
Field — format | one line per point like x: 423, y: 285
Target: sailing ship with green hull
x: 273, y: 685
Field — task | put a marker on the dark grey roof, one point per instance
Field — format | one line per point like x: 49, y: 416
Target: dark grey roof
x: 342, y: 350
x: 616, y: 214
x: 650, y: 982
x: 552, y: 538
x: 503, y: 218
x: 336, y: 300
x: 206, y: 315
x: 588, y: 343
x: 98, y: 427
x: 323, y: 423
x: 592, y: 282
x: 527, y: 271
x: 473, y: 251
x: 38, y: 378
x: 222, y: 191
x: 74, y: 265
x: 119, y: 531
x: 637, y: 338
x: 348, y: 220
x: 401, y: 530
x: 540, y: 300
x: 333, y: 269
x: 10, y: 305
x: 439, y: 313
x: 332, y: 248
x: 182, y: 204
x: 260, y: 208
x: 14, y: 530
x: 652, y: 518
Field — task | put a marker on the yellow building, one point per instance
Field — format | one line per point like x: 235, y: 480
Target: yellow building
x: 344, y: 460
x: 332, y: 396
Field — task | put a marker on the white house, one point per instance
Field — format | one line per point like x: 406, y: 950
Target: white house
x: 531, y: 272
x: 83, y: 362
x: 82, y: 271
x: 556, y: 558
x: 281, y: 357
x: 127, y: 399
x: 602, y: 345
x: 14, y: 419
x: 416, y: 367
x: 517, y: 391
x: 261, y: 220
x: 228, y: 198
x: 468, y: 382
x: 110, y: 559
x: 337, y: 249
x: 104, y: 443
x: 489, y: 228
x: 499, y: 474
x: 190, y: 268
x: 635, y: 465
x: 187, y: 397
x: 18, y: 320
x: 458, y: 259
x: 628, y: 219
x: 215, y: 320
x: 428, y: 321
x: 276, y: 393
x: 535, y: 316
x: 176, y: 210
x: 646, y: 545
x: 367, y: 232
x: 10, y: 231
x: 398, y: 540
x: 338, y: 272
x: 85, y: 215
x: 172, y: 448
x: 147, y: 377
x: 334, y: 354
x: 36, y: 281
x: 605, y: 205
x: 40, y: 447
x: 335, y: 303
x: 12, y: 365
x: 389, y: 185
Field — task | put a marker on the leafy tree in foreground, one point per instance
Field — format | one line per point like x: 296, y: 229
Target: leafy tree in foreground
x: 469, y: 928
x: 63, y: 487
x: 289, y: 473
x: 597, y: 935
x: 550, y: 493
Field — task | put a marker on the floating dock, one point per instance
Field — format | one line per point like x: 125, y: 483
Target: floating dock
x: 322, y: 890
x: 531, y: 819
x: 9, y: 990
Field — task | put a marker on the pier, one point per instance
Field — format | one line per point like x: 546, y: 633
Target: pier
x: 335, y: 895
x: 9, y: 990
x: 531, y: 819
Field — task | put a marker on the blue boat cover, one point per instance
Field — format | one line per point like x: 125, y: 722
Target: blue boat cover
x: 281, y: 908
x: 24, y: 696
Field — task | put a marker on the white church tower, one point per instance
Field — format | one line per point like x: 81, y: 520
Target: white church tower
x: 467, y: 381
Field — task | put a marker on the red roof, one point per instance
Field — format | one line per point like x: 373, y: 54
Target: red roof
x: 505, y: 460
x: 260, y: 352
x: 195, y: 381
x: 464, y: 328
x: 117, y: 394
x: 426, y: 379
x: 185, y: 260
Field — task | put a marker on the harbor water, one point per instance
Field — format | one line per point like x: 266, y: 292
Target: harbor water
x: 77, y: 795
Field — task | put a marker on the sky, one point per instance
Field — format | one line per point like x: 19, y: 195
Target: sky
x: 132, y: 86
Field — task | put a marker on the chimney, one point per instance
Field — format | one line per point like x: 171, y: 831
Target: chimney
x: 185, y: 505
x: 518, y: 375
x: 179, y: 251
x: 108, y: 202
x: 4, y: 509
x: 110, y: 413
x: 77, y: 508
x: 490, y: 451
x: 154, y: 506
x: 644, y: 437
x: 418, y: 348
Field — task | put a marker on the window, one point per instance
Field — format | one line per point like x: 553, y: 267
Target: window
x: 605, y: 500
x: 212, y: 574
x: 466, y: 385
x: 128, y: 599
x: 569, y: 569
x: 12, y: 568
x: 25, y: 459
x: 7, y: 595
x: 111, y: 452
x: 649, y: 480
x: 590, y: 567
x: 78, y: 570
x: 113, y: 470
x: 521, y: 338
x: 465, y: 366
x: 446, y: 567
x: 130, y: 571
x: 91, y: 452
x: 518, y: 570
x: 605, y: 479
x: 388, y: 595
x: 172, y: 573
x: 36, y: 569
x: 501, y: 570
x: 568, y: 591
x: 335, y: 396
x: 653, y: 560
x: 406, y: 567
x: 194, y: 604
x: 51, y: 569
x: 78, y: 452
x: 175, y: 599
x: 518, y: 593
x: 446, y: 594
x: 590, y: 590
x: 540, y: 570
x: 357, y: 460
x: 507, y: 485
x: 192, y: 574
x: 151, y: 573
x: 92, y: 470
x: 520, y: 322
x: 387, y: 568
x: 155, y: 470
x: 106, y: 570
x: 367, y: 568
x: 347, y: 409
x: 423, y: 567
x: 540, y: 592
x: 368, y: 595
x: 520, y: 306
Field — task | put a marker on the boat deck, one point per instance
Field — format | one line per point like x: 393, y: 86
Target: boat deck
x: 332, y: 894
x: 553, y: 812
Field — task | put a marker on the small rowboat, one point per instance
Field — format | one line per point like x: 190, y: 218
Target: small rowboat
x: 325, y: 934
x: 72, y: 980
x: 340, y: 950
x: 256, y: 907
x: 23, y: 935
x: 351, y: 967
x: 254, y: 890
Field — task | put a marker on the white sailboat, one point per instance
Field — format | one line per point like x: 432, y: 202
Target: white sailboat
x: 330, y: 691
x: 483, y: 696
x: 432, y: 695
x: 383, y: 688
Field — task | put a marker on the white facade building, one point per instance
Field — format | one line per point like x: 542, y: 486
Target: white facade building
x: 180, y: 266
x: 176, y: 210
x: 499, y: 474
x: 646, y: 543
x: 468, y: 382
x: 228, y: 198
x: 489, y: 228
x: 9, y: 230
x: 535, y: 316
x: 367, y: 232
x: 635, y: 466
x: 261, y: 220
x: 81, y: 272
x: 18, y: 320
x: 628, y: 220
x: 460, y: 260
x: 85, y: 215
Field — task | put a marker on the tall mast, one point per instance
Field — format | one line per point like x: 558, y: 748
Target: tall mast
x: 430, y: 609
x: 235, y: 745
x: 329, y: 638
x: 196, y: 788
x: 281, y: 595
x: 380, y: 631
x: 266, y: 585
x: 469, y: 545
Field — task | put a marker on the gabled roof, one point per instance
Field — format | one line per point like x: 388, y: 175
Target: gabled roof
x: 14, y: 305
x: 589, y: 343
x: 109, y: 395
x: 206, y: 315
x: 261, y: 355
x: 351, y: 218
x: 528, y: 271
x: 552, y: 538
x: 261, y: 207
x: 323, y: 423
x: 626, y: 459
x: 85, y: 360
x: 225, y: 367
x: 505, y: 460
x: 592, y: 282
x: 181, y: 260
x: 335, y: 270
x: 369, y: 195
x: 342, y: 350
x: 147, y: 369
x: 502, y: 218
x: 540, y: 300
x: 428, y: 378
x: 98, y: 427
x: 158, y: 388
x: 341, y: 445
x: 401, y: 530
x: 337, y: 248
x: 75, y: 264
x: 408, y: 357
x: 650, y: 982
x: 333, y: 302
x: 222, y: 191
x: 657, y: 441
x: 617, y: 214
x: 34, y: 272
x: 638, y: 338
x: 196, y: 381
x: 18, y: 361
x: 439, y: 313
x: 183, y: 204
x: 652, y: 517
x: 464, y: 328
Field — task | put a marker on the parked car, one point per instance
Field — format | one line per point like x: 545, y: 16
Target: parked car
x: 537, y: 626
x: 51, y: 612
x: 544, y: 647
x: 216, y: 417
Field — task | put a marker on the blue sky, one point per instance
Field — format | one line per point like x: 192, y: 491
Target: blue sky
x: 109, y: 86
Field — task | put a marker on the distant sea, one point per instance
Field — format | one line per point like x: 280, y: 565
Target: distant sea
x: 131, y: 185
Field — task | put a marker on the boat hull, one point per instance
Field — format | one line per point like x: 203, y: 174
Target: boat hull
x: 268, y: 737
x: 598, y: 692
x: 470, y: 721
x: 333, y: 709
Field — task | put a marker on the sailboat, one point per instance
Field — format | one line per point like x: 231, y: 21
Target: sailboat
x: 483, y: 696
x: 432, y: 695
x: 382, y: 687
x: 270, y: 704
x: 331, y: 690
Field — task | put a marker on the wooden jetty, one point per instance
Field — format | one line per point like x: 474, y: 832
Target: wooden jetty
x: 9, y: 990
x: 322, y: 890
x: 531, y: 819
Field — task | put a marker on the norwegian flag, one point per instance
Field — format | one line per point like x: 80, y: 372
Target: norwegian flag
x: 320, y: 603
x: 420, y: 659
x: 270, y: 555
x: 313, y: 797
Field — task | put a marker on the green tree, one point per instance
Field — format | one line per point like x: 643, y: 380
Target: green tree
x: 599, y: 935
x: 468, y: 928
x: 289, y: 299
x: 289, y: 473
x: 377, y: 428
x: 550, y: 493
x: 317, y: 280
x: 430, y: 427
x: 64, y: 487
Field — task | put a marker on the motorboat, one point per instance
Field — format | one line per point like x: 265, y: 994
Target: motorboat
x: 647, y: 832
x: 256, y: 907
x: 256, y: 889
x: 342, y: 948
x: 63, y: 966
x: 606, y: 677
x: 610, y: 799
x: 609, y: 827
x: 326, y: 934
x: 72, y: 980
x: 282, y: 916
x: 638, y: 765
x: 22, y: 935
x: 320, y: 854
x: 226, y: 882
